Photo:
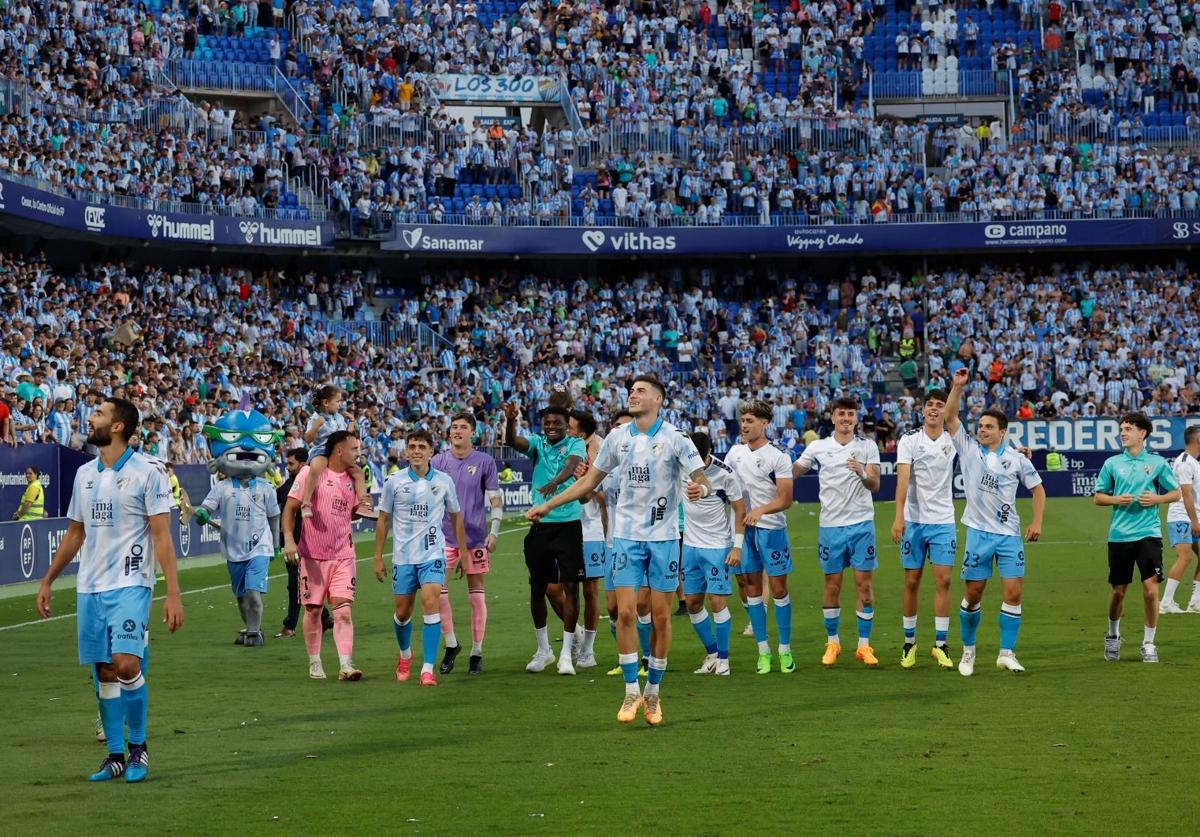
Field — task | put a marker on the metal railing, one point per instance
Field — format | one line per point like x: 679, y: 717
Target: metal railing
x: 383, y: 333
x: 1062, y: 126
x: 291, y: 99
x: 150, y: 204
x: 855, y: 133
x: 222, y: 75
x: 934, y: 84
x: 776, y: 219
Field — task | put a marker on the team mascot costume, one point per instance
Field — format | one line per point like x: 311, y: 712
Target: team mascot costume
x: 243, y: 443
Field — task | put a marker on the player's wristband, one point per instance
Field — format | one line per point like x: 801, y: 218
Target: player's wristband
x: 496, y: 527
x: 704, y: 491
x: 738, y: 540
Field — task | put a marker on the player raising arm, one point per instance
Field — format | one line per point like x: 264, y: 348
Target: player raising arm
x: 991, y: 471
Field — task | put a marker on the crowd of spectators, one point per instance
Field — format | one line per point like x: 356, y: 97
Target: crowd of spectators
x: 187, y: 344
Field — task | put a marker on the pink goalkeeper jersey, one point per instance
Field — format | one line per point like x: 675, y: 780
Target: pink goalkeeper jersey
x: 327, y: 536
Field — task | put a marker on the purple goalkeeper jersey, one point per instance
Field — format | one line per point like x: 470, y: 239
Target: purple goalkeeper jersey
x: 472, y: 476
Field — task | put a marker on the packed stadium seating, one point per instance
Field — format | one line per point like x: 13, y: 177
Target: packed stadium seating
x: 1072, y: 341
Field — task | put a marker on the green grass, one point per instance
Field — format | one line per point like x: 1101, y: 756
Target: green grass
x: 243, y: 742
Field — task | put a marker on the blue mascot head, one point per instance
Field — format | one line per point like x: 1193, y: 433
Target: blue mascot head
x: 242, y: 444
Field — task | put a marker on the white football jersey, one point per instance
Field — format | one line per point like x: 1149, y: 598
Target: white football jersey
x: 648, y: 468
x: 930, y: 478
x: 706, y: 521
x: 759, y: 470
x: 990, y: 482
x: 418, y: 506
x: 845, y: 501
x: 1187, y: 472
x: 589, y: 513
x: 115, y: 506
x: 245, y: 511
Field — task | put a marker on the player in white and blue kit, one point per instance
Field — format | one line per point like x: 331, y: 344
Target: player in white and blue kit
x: 1183, y: 523
x: 120, y: 519
x: 649, y: 457
x: 924, y: 524
x: 593, y: 520
x: 711, y: 548
x: 992, y: 470
x: 848, y: 467
x: 766, y: 473
x: 611, y: 490
x: 415, y: 502
x: 248, y: 512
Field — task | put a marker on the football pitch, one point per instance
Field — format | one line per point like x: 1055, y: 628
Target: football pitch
x: 242, y: 741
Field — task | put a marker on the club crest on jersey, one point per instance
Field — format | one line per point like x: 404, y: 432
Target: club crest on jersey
x: 946, y: 449
x: 472, y: 469
x: 656, y: 448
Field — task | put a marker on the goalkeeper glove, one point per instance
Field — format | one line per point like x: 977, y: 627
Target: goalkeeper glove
x: 202, y: 516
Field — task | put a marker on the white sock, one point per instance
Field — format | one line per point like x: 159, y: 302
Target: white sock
x: 651, y: 689
x: 764, y: 648
x: 406, y: 654
x: 1114, y: 627
x: 863, y: 642
x: 589, y: 642
x: 451, y: 640
x: 785, y: 649
x: 344, y: 661
x: 314, y: 658
x: 909, y: 623
x: 632, y: 688
x: 426, y: 668
x: 568, y: 643
x: 476, y: 649
x: 1196, y: 590
x: 1169, y: 592
x: 1148, y: 634
x: 942, y: 624
x: 543, y: 640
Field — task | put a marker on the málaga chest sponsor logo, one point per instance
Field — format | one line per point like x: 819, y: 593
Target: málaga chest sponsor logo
x: 163, y: 227
x: 416, y: 239
x: 628, y: 242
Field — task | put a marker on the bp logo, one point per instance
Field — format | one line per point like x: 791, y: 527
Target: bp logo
x: 28, y: 554
x: 185, y: 535
x: 128, y: 626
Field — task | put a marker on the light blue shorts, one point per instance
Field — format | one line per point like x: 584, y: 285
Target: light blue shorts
x: 987, y: 549
x: 936, y: 541
x: 1180, y: 534
x: 636, y: 562
x: 248, y: 575
x: 766, y: 549
x: 595, y: 559
x: 842, y: 547
x: 112, y: 622
x: 409, y: 578
x: 705, y: 571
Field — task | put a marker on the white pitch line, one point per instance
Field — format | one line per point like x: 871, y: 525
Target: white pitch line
x: 189, y: 592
